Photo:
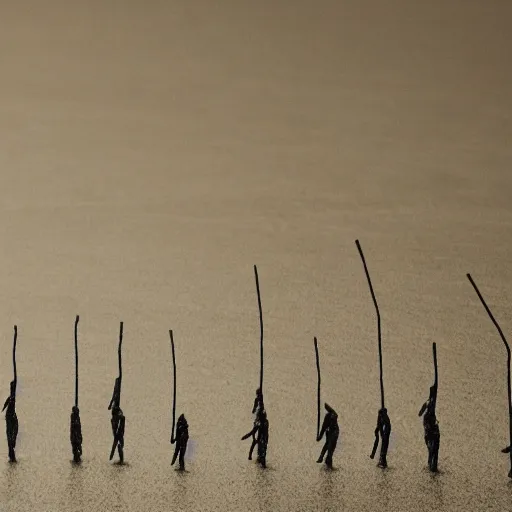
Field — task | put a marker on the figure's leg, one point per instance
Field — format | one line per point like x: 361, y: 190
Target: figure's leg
x: 182, y: 457
x: 330, y: 452
x: 253, y: 445
x: 384, y: 451
x: 11, y: 440
x: 435, y: 450
x: 262, y: 457
x: 322, y: 453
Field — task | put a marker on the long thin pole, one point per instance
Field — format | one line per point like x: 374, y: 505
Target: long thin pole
x: 14, y: 356
x: 261, y: 328
x: 76, y: 360
x: 120, y: 361
x: 508, y: 360
x: 434, y: 351
x: 174, y: 387
x: 318, y: 388
x: 378, y: 322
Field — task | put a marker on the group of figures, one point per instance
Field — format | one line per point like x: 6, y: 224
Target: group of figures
x: 260, y: 431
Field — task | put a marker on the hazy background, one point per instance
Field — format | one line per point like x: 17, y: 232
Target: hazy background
x: 152, y: 152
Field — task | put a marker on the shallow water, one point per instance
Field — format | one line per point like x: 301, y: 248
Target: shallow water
x: 152, y: 152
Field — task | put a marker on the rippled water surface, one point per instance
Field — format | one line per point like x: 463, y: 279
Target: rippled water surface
x: 152, y: 152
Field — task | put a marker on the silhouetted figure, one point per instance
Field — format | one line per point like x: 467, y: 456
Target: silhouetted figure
x: 431, y: 429
x: 76, y: 434
x: 118, y: 423
x: 331, y: 430
x: 181, y: 441
x: 11, y: 421
x: 259, y: 434
x: 253, y: 433
x: 383, y: 429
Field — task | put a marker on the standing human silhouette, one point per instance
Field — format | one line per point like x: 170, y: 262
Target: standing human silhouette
x: 75, y: 429
x: 11, y: 420
x: 181, y: 441
x: 431, y: 429
x: 331, y: 430
x: 76, y: 434
x: 382, y: 430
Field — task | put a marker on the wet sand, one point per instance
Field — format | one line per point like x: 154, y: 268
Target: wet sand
x: 152, y: 152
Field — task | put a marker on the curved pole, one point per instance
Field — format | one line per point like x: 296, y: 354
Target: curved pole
x: 174, y: 388
x: 76, y: 360
x: 378, y: 321
x: 120, y: 362
x: 14, y: 356
x: 261, y: 328
x: 508, y: 360
x: 318, y: 388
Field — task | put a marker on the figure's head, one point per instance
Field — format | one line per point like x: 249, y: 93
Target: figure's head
x: 75, y: 410
x: 12, y: 387
x: 432, y: 391
x: 181, y: 419
x: 383, y: 412
x: 258, y: 393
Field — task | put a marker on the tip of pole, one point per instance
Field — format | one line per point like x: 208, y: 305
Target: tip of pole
x: 468, y: 276
x: 77, y: 318
x: 315, y: 340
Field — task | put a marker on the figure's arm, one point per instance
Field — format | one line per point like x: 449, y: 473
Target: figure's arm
x: 6, y: 403
x: 255, y: 406
x: 506, y: 450
x: 423, y: 409
x: 251, y: 433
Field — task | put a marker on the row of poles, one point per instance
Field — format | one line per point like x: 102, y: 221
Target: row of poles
x: 259, y: 433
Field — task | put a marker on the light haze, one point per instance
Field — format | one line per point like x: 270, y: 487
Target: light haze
x: 152, y: 152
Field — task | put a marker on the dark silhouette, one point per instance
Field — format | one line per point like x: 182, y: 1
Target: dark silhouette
x: 431, y: 428
x: 76, y: 426
x: 331, y: 430
x: 383, y: 423
x: 259, y: 434
x: 181, y: 441
x: 118, y: 423
x: 76, y: 434
x: 430, y: 423
x: 382, y: 430
x: 11, y: 421
x: 118, y: 419
x: 509, y: 357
